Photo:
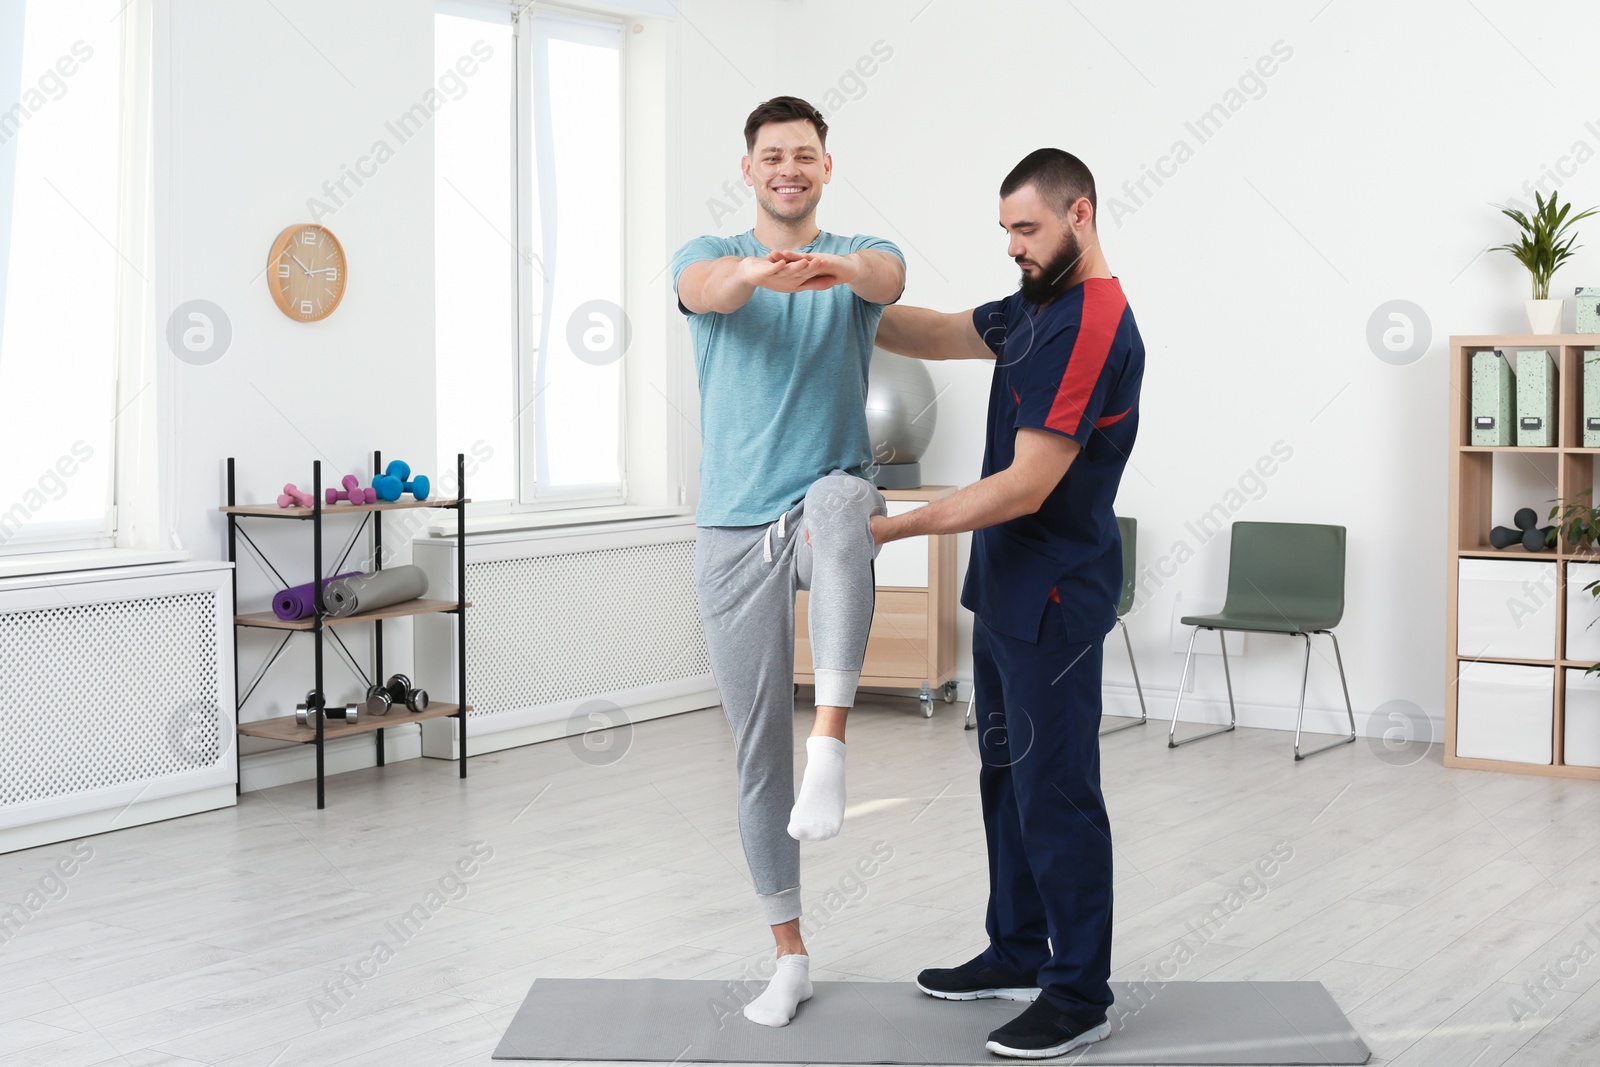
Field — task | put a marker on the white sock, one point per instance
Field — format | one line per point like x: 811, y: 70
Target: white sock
x: 819, y: 812
x: 790, y: 987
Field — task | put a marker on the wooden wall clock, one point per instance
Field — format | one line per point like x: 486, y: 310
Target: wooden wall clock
x: 306, y: 272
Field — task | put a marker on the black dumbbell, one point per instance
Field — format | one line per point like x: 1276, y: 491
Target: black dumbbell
x: 315, y: 700
x: 397, y: 690
x: 1534, y: 540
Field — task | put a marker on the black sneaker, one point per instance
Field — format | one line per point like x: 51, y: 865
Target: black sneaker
x: 976, y: 980
x: 1044, y: 1031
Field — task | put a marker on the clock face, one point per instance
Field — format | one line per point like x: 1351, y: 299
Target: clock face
x: 306, y: 272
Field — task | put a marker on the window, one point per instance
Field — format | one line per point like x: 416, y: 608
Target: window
x: 69, y: 136
x: 529, y: 254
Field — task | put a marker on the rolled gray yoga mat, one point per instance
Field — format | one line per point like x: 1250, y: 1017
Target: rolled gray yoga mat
x: 379, y: 589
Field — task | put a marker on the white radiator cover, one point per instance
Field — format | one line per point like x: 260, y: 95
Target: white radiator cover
x: 120, y: 699
x: 560, y: 619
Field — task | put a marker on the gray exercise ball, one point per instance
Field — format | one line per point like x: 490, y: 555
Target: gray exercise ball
x: 901, y: 407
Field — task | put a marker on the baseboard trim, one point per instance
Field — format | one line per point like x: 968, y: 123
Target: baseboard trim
x: 441, y: 734
x: 1121, y: 700
x: 87, y: 824
x: 298, y: 763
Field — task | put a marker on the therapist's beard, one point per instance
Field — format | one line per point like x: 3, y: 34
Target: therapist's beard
x: 1048, y: 283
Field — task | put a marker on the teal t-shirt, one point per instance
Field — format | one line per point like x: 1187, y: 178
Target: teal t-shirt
x: 783, y: 385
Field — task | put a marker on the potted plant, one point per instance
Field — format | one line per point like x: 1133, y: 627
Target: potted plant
x: 1544, y: 246
x: 1578, y: 523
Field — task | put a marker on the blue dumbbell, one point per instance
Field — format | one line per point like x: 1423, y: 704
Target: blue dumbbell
x: 396, y: 479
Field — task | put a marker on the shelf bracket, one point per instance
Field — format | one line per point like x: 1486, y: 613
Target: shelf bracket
x: 263, y: 556
x: 350, y: 658
x: 262, y: 673
x: 348, y: 545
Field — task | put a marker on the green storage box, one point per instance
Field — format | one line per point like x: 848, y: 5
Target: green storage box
x: 1589, y: 310
x: 1536, y: 398
x: 1493, y: 400
x: 1591, y: 398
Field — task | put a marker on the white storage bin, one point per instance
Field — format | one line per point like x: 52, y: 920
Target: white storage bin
x: 1583, y: 640
x: 1505, y: 712
x: 1506, y: 609
x: 1580, y: 747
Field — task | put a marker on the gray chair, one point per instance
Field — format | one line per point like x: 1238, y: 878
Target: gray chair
x: 1283, y: 578
x: 1129, y: 529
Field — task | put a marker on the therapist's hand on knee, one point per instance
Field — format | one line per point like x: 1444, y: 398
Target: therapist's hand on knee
x: 1042, y: 459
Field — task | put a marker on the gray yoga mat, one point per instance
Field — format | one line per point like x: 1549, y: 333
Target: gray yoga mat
x: 665, y: 1021
x: 377, y: 589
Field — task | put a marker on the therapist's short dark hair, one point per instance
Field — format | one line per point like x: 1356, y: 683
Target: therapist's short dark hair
x: 1060, y: 177
x: 783, y: 109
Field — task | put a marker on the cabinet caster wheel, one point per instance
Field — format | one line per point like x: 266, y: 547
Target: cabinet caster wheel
x: 948, y: 690
x: 927, y: 706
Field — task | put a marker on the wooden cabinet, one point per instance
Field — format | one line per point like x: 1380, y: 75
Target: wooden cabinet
x: 1515, y: 641
x: 912, y: 643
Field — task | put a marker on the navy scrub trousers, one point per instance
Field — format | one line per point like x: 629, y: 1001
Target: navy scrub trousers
x: 1038, y: 717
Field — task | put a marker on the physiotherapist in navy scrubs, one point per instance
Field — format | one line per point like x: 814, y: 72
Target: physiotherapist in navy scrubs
x: 1043, y: 583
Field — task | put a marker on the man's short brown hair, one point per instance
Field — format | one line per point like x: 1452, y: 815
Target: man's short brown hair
x: 783, y: 109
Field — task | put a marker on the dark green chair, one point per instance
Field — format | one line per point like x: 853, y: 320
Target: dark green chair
x: 1283, y: 578
x: 1130, y: 538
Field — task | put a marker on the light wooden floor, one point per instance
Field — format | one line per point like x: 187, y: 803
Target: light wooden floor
x: 1422, y: 898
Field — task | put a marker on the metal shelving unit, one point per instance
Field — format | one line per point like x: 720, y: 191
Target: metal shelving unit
x: 320, y: 625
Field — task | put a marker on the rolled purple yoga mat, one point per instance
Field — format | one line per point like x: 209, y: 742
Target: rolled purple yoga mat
x: 299, y: 602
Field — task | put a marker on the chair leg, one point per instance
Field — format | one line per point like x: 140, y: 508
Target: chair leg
x: 1227, y: 676
x: 1172, y: 742
x: 1348, y: 709
x: 970, y: 724
x: 1305, y: 676
x: 1143, y: 714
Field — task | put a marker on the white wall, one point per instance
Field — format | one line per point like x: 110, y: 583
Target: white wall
x: 1361, y: 171
x: 255, y: 110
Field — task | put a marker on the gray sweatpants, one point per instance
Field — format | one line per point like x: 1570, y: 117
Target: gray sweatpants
x: 745, y: 578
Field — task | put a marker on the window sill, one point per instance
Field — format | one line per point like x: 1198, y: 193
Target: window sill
x: 543, y: 520
x: 85, y: 560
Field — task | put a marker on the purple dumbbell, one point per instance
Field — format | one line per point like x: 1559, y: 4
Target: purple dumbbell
x: 352, y: 492
x: 292, y: 497
x: 396, y: 479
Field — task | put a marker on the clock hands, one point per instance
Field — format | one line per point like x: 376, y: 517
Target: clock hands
x: 308, y: 302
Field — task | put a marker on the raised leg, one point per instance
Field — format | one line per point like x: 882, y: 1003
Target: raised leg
x: 833, y: 557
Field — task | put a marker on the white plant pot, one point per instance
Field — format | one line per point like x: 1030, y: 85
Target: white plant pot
x: 1544, y: 316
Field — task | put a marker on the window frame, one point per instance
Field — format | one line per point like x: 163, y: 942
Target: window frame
x: 132, y: 502
x: 532, y: 493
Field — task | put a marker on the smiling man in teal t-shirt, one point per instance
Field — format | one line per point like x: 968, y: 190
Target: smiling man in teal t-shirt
x: 783, y: 318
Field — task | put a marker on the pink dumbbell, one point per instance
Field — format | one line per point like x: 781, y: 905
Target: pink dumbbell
x: 292, y: 497
x: 352, y: 492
